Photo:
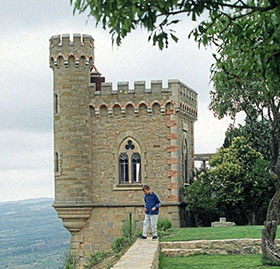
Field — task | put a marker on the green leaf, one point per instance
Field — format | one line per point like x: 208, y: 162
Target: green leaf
x: 174, y: 37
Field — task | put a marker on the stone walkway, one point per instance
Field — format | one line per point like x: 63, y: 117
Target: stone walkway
x: 143, y: 254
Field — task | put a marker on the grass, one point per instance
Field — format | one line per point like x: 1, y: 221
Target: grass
x: 204, y: 233
x: 213, y: 261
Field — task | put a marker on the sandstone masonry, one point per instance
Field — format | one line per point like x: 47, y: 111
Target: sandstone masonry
x: 224, y: 246
x: 109, y: 141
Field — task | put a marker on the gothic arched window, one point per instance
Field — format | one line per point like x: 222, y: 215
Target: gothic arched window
x: 136, y: 167
x: 123, y: 161
x: 129, y: 162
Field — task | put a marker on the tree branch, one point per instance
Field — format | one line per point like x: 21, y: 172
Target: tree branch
x: 216, y: 5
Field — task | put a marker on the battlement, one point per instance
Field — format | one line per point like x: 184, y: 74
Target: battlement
x: 78, y: 40
x: 79, y: 50
x: 175, y: 88
x: 183, y: 98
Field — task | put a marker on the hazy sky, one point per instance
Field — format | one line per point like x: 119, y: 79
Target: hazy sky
x: 26, y: 139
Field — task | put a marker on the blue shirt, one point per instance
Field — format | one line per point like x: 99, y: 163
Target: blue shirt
x: 152, y: 200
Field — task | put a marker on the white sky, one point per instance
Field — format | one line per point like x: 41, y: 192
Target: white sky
x: 26, y: 139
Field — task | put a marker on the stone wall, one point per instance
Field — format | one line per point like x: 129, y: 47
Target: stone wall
x: 225, y: 246
x: 105, y: 223
x: 107, y: 134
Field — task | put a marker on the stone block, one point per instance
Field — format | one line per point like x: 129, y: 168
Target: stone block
x: 172, y: 173
x: 171, y: 123
x: 222, y: 224
x: 172, y: 148
x: 170, y: 136
x: 172, y: 160
x: 172, y: 185
x: 172, y: 198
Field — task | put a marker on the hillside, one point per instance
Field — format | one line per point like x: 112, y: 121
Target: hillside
x: 31, y: 235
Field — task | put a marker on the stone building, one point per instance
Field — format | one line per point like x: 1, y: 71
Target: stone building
x: 109, y: 141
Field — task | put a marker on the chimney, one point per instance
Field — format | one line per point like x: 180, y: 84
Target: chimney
x: 95, y: 77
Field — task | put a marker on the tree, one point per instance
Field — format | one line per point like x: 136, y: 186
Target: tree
x: 235, y: 186
x: 201, y: 201
x: 246, y: 71
x: 253, y: 138
x: 246, y: 78
x: 158, y: 16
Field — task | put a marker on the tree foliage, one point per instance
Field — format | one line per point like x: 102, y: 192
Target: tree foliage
x: 235, y: 186
x: 246, y: 78
x: 160, y: 16
x: 246, y: 73
x: 247, y: 63
x: 253, y: 138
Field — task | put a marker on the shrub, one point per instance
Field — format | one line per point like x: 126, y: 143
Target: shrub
x: 129, y: 229
x: 97, y: 257
x: 120, y: 243
x: 236, y: 186
x: 129, y: 235
x: 164, y: 224
x: 71, y: 261
x: 139, y: 233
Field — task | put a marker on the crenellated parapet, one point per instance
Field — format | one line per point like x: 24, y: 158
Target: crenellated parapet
x: 111, y: 100
x: 76, y: 52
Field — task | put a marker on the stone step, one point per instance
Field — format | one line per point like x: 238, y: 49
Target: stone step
x: 181, y: 245
x: 226, y: 246
x: 169, y: 252
x: 205, y: 244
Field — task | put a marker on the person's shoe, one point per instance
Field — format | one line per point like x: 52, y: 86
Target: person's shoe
x: 143, y: 237
x: 154, y: 237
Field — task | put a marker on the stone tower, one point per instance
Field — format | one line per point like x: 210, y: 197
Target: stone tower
x: 109, y: 142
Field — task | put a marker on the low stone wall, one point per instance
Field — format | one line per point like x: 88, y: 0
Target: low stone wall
x: 143, y: 254
x: 218, y: 224
x: 225, y: 246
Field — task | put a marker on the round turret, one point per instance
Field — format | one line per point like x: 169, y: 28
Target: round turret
x: 78, y: 53
x: 71, y: 62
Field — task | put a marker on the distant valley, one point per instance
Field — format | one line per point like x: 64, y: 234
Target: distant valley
x: 31, y: 235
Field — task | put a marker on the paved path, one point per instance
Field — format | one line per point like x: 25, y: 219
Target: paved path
x: 143, y: 254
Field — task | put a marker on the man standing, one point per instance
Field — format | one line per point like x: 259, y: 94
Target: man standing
x: 151, y: 209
